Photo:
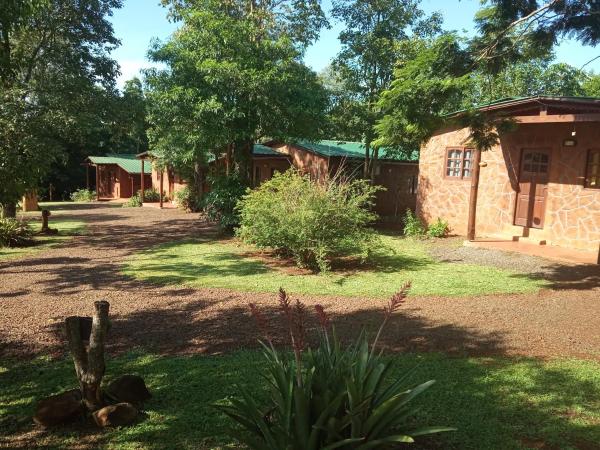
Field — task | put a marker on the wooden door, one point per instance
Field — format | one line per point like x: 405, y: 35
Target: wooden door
x: 533, y: 188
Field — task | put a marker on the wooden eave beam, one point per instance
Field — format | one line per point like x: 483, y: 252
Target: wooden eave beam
x: 558, y: 118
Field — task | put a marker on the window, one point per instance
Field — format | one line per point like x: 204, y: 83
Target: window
x: 459, y: 162
x: 592, y: 176
x: 413, y: 184
x: 535, y: 162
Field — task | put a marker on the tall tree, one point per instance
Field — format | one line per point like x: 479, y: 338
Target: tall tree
x: 370, y: 48
x: 53, y: 56
x: 234, y: 76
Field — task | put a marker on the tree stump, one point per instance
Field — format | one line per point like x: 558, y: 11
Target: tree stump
x: 89, y: 362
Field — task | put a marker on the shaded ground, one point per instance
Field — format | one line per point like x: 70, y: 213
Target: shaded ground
x: 495, y: 403
x: 37, y: 292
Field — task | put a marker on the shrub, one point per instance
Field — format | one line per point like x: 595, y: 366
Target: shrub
x: 438, y: 229
x: 151, y: 196
x: 83, y: 195
x: 134, y: 202
x: 310, y: 221
x: 220, y: 203
x: 188, y: 199
x: 329, y: 397
x: 15, y: 233
x: 413, y: 225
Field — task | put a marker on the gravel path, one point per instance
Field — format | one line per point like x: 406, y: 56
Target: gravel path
x: 37, y: 292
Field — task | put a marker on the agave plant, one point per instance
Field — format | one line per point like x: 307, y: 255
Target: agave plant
x: 330, y: 397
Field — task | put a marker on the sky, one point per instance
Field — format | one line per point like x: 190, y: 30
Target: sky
x: 141, y: 21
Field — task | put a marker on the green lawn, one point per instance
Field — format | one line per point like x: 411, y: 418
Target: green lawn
x: 66, y: 229
x: 496, y: 403
x: 225, y: 264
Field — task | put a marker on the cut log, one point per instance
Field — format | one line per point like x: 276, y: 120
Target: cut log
x: 89, y: 362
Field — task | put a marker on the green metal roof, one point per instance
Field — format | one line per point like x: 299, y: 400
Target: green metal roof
x: 263, y: 150
x: 127, y: 162
x: 346, y: 149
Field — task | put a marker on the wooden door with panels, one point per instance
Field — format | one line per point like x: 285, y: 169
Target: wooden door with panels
x: 533, y: 188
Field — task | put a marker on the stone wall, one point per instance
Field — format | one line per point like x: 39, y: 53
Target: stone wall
x: 572, y: 212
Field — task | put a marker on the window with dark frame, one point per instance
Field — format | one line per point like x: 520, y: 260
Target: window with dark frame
x: 459, y: 162
x: 592, y: 176
x: 413, y: 184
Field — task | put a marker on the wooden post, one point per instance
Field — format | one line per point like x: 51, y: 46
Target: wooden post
x: 473, y: 196
x: 89, y: 363
x: 161, y: 187
x: 87, y: 177
x: 142, y: 183
x: 97, y: 182
x: 599, y: 254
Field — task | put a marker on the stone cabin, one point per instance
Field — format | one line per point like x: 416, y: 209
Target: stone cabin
x: 540, y: 184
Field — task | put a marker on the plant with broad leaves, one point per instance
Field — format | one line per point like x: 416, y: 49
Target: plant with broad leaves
x: 329, y: 397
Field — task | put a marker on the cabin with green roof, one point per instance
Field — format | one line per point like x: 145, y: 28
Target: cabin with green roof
x: 397, y: 174
x: 118, y: 176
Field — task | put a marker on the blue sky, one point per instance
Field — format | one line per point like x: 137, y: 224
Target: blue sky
x: 139, y: 21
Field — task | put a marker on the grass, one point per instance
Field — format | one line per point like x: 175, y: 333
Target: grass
x: 226, y: 264
x: 496, y: 403
x: 66, y: 229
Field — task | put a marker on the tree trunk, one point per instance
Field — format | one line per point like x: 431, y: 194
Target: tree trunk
x: 9, y: 210
x: 243, y: 158
x: 471, y: 232
x: 374, y: 163
x: 89, y: 363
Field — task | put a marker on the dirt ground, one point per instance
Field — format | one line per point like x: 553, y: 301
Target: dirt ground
x: 38, y: 291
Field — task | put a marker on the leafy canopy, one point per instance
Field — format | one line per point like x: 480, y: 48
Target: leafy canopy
x: 234, y: 75
x: 54, y: 59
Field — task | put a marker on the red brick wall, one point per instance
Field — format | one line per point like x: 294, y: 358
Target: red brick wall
x: 572, y: 215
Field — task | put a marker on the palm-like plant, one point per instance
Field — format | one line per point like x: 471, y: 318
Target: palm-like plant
x: 327, y: 398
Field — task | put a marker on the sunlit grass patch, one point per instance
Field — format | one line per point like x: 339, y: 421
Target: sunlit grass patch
x: 229, y: 264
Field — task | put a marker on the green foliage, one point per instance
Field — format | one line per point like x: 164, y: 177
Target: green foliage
x: 333, y: 397
x: 524, y: 30
x: 150, y: 196
x: 429, y: 81
x: 135, y: 201
x: 83, y: 195
x: 54, y: 62
x: 308, y: 220
x: 188, y: 199
x: 15, y: 233
x: 438, y: 229
x: 412, y: 225
x: 371, y: 43
x: 234, y: 75
x: 220, y: 202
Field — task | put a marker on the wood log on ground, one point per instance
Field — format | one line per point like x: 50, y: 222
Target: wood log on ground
x: 89, y: 362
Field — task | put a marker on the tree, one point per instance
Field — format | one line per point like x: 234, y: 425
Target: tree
x: 54, y: 54
x: 526, y: 79
x: 517, y: 30
x: 429, y: 82
x: 370, y: 48
x: 234, y: 76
